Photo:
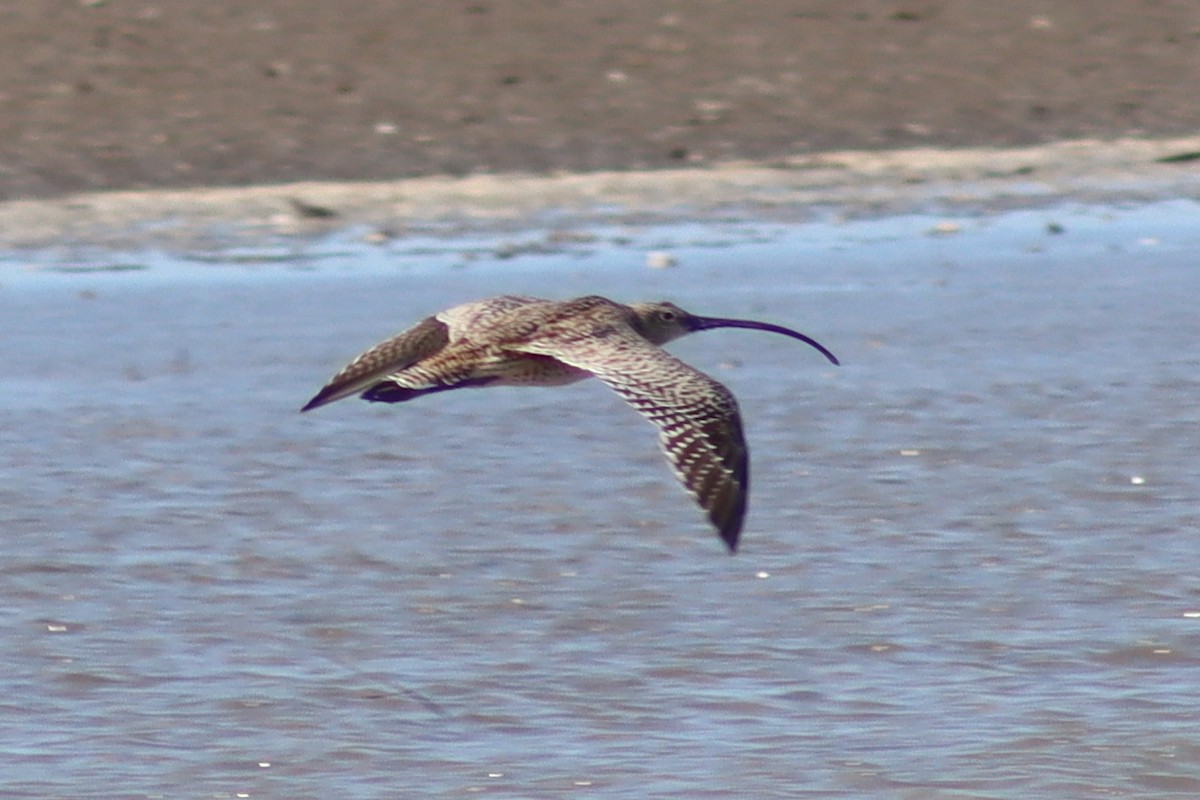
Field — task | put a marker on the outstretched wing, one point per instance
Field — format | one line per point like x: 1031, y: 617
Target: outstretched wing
x: 425, y: 339
x: 698, y: 423
x: 399, y: 352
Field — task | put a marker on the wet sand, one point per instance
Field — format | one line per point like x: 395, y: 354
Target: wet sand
x: 187, y: 124
x: 843, y: 184
x: 141, y: 94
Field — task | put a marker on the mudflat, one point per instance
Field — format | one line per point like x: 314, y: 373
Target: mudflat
x: 103, y: 95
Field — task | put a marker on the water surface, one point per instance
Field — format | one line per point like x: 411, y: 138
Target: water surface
x: 969, y: 571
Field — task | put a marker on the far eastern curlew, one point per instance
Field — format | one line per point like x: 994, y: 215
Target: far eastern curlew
x: 524, y: 341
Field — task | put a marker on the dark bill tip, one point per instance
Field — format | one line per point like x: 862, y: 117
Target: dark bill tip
x: 705, y: 323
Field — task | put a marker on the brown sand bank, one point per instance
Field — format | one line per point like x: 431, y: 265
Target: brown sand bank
x: 131, y: 94
x: 852, y: 183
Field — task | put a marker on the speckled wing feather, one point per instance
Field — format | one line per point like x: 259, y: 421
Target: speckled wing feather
x: 481, y: 316
x: 423, y: 340
x: 697, y: 418
x: 402, y: 350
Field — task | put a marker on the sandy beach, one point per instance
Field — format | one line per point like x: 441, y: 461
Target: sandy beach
x: 106, y: 95
x: 852, y: 183
x: 162, y: 123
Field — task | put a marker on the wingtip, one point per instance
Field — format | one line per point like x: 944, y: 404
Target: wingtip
x: 730, y: 537
x: 320, y: 399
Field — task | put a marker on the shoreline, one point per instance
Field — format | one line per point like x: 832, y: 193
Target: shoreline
x: 848, y: 183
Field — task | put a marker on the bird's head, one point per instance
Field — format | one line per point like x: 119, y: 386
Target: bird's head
x: 664, y: 322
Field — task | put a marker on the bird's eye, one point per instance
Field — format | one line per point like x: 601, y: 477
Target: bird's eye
x: 666, y: 315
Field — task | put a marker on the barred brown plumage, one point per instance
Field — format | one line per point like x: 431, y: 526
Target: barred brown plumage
x: 524, y: 341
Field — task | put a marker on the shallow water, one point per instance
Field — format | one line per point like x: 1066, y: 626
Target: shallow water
x: 969, y: 571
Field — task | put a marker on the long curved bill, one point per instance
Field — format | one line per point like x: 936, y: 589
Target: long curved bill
x: 706, y: 323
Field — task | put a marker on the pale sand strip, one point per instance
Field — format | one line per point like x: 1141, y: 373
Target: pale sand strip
x: 847, y: 182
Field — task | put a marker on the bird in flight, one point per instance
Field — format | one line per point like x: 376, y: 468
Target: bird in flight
x: 525, y: 341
